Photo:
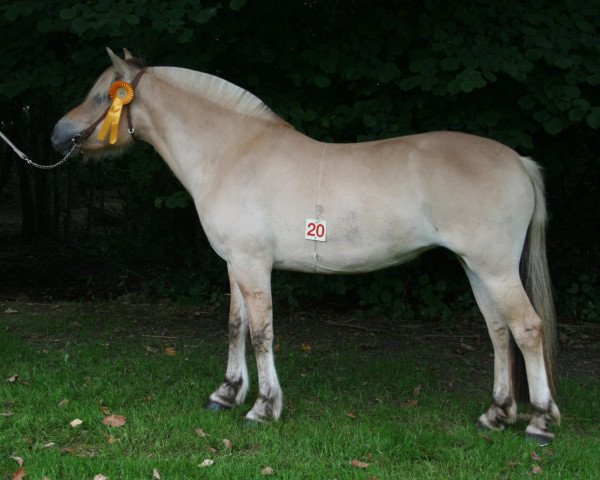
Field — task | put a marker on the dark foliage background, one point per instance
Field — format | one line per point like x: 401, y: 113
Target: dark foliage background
x: 523, y: 72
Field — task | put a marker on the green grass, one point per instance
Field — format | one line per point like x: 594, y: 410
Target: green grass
x: 95, y: 355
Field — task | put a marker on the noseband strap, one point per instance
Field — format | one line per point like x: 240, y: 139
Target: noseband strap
x: 82, y: 136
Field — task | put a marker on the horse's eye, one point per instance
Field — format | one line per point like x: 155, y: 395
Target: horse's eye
x: 98, y: 99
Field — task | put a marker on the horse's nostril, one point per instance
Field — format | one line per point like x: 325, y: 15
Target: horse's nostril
x: 62, y: 133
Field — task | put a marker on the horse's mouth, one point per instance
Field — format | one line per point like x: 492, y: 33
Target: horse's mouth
x: 68, y: 149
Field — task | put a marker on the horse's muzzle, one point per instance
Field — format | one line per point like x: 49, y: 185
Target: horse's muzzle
x: 63, y: 136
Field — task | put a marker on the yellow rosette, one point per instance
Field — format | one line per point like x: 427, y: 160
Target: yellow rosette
x: 122, y: 94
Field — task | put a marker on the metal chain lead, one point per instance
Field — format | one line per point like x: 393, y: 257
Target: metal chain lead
x: 37, y: 165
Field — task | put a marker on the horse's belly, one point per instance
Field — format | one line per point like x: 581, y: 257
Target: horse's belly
x: 349, y: 251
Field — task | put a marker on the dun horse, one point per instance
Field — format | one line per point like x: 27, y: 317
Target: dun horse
x: 269, y: 197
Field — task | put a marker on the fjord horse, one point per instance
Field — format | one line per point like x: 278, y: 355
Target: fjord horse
x: 269, y: 197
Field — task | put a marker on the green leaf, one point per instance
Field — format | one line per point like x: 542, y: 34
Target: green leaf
x: 387, y: 297
x: 159, y: 24
x: 11, y: 12
x: 527, y: 102
x: 490, y: 118
x: 328, y: 64
x: 309, y: 115
x: 178, y: 200
x: 529, y: 31
x: 565, y: 43
x: 80, y: 25
x: 584, y: 25
x: 563, y: 62
x: 326, y: 122
x: 67, y: 14
x: 577, y: 114
x: 236, y: 4
x: 45, y: 25
x: 12, y: 88
x: 554, y: 126
x: 370, y: 121
x: 296, y: 112
x: 203, y: 16
x: 541, y: 41
x: 571, y: 91
x: 541, y: 116
x: 593, y: 79
x: 409, y: 83
x: 132, y: 19
x: 428, y: 67
x: 387, y: 72
x: 593, y: 118
x: 322, y: 81
x: 186, y: 36
x: 450, y: 64
x: 471, y: 80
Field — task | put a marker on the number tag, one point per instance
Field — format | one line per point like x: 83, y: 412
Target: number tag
x: 315, y: 230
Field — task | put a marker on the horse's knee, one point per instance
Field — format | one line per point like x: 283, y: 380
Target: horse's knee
x: 528, y: 334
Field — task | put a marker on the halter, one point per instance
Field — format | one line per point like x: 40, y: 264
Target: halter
x: 79, y: 139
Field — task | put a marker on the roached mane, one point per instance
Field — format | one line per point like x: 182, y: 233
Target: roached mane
x: 216, y: 90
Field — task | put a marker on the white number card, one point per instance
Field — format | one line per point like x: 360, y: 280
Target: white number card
x: 315, y: 230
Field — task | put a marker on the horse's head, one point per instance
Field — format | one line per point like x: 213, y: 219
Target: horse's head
x: 82, y: 124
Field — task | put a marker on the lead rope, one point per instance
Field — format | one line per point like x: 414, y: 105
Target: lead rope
x: 37, y: 165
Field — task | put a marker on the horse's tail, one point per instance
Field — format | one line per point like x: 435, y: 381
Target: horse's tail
x: 536, y: 277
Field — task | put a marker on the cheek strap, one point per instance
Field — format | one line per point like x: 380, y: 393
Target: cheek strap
x: 122, y: 94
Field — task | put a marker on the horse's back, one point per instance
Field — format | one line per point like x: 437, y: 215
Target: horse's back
x: 386, y: 201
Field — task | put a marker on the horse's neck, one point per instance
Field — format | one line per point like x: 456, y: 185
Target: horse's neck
x: 192, y: 134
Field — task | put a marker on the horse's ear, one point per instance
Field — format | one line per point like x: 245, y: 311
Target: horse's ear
x: 121, y: 66
x: 128, y: 55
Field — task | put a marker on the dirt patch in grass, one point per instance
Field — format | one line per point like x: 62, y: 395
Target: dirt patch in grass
x: 317, y: 328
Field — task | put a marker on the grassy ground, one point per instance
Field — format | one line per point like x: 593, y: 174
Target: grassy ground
x: 403, y: 403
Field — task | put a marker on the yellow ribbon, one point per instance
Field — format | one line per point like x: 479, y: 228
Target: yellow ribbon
x: 122, y: 93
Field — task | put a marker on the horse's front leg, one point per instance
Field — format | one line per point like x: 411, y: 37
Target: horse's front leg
x: 255, y: 285
x: 234, y: 388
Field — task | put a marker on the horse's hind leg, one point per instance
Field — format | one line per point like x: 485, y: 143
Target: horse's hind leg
x: 504, y: 294
x: 503, y: 410
x: 234, y: 388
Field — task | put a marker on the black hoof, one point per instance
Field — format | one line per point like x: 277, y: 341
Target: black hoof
x: 251, y: 423
x: 541, y: 440
x: 213, y: 406
x: 495, y: 427
x: 482, y: 428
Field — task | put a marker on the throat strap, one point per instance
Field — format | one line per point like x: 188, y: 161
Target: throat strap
x: 134, y: 84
